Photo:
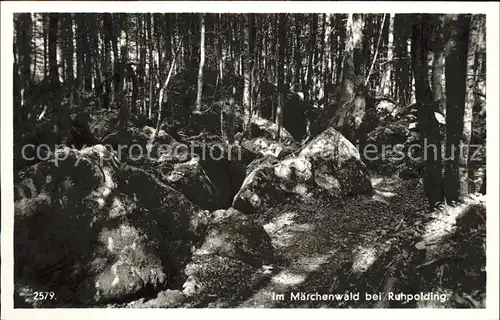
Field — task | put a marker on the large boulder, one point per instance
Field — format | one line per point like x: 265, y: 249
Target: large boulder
x: 88, y: 226
x: 329, y: 164
x: 208, y: 172
x: 230, y: 261
x: 388, y: 148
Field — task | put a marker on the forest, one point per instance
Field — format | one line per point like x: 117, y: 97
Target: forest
x: 166, y: 160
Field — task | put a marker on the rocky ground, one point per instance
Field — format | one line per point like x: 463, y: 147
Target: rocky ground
x: 182, y: 230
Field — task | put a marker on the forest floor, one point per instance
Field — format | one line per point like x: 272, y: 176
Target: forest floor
x: 328, y: 247
x: 317, y: 239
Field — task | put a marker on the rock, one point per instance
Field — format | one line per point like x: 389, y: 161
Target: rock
x: 232, y: 234
x: 208, y: 173
x: 329, y: 162
x: 164, y: 299
x: 214, y: 278
x: 87, y: 226
x: 333, y: 155
x: 263, y: 147
x: 190, y: 178
x: 229, y: 262
x: 388, y: 149
x: 264, y: 128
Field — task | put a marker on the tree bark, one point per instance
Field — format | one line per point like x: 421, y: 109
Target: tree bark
x: 402, y: 70
x: 341, y: 40
x: 458, y: 126
x: 150, y: 63
x: 247, y: 68
x: 281, y: 69
x: 312, y: 58
x: 429, y: 129
x: 24, y: 44
x: 45, y: 22
x: 62, y: 119
x: 438, y: 65
x: 386, y: 85
x: 160, y: 119
x: 202, y: 63
x: 343, y: 115
x: 298, y: 57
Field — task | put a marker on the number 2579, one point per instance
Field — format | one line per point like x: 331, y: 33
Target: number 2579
x: 44, y: 295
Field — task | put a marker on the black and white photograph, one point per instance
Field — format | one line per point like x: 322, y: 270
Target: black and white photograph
x: 249, y: 159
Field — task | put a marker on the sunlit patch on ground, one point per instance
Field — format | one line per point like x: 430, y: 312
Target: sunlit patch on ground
x: 364, y: 260
x: 288, y: 279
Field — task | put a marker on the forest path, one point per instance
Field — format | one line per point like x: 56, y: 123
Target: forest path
x: 316, y: 240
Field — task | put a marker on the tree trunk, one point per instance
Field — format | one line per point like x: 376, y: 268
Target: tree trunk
x: 402, y: 70
x: 386, y: 86
x: 95, y: 51
x: 162, y: 96
x: 80, y: 50
x: 341, y: 38
x: 458, y: 126
x: 122, y: 71
x: 68, y: 56
x: 63, y: 121
x: 202, y: 63
x: 429, y: 129
x: 45, y: 22
x: 298, y: 57
x: 24, y: 42
x: 150, y: 63
x: 342, y: 116
x: 220, y: 43
x: 247, y: 68
x: 476, y: 90
x: 114, y: 45
x: 281, y: 69
x: 53, y: 69
x: 252, y: 57
x: 312, y: 58
x: 438, y: 65
x: 105, y: 64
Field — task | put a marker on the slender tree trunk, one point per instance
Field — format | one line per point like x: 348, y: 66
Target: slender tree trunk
x: 386, y: 85
x: 457, y: 139
x: 402, y: 72
x: 63, y: 121
x: 123, y: 72
x: 298, y: 57
x: 281, y: 68
x: 68, y: 54
x: 150, y: 63
x: 438, y: 65
x: 114, y: 45
x: 34, y: 28
x: 53, y: 68
x: 220, y: 44
x: 246, y: 62
x: 376, y: 53
x: 202, y: 64
x: 25, y: 39
x: 341, y: 37
x: 45, y: 22
x: 162, y: 96
x: 312, y: 57
x: 97, y: 54
x: 251, y: 62
x: 80, y: 50
x: 88, y: 56
x: 429, y: 129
